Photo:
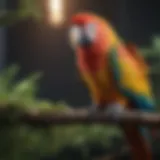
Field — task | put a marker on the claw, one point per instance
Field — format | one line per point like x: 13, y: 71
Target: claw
x: 114, y: 111
x: 92, y: 110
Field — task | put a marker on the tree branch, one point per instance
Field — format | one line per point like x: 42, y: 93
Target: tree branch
x: 45, y: 118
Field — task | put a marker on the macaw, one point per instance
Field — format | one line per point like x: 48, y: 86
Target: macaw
x: 115, y: 73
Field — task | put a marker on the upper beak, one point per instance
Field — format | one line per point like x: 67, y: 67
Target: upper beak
x: 79, y: 37
x: 84, y: 39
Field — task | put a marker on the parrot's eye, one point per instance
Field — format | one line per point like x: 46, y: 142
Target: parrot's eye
x: 90, y: 30
x: 75, y: 35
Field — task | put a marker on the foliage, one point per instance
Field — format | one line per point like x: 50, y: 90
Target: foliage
x: 24, y: 142
x: 154, y: 49
x: 26, y: 9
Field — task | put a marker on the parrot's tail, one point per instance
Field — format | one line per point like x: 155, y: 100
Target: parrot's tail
x: 138, y: 144
x: 147, y: 134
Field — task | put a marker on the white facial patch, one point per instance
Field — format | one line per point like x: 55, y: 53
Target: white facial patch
x: 90, y: 31
x: 75, y: 35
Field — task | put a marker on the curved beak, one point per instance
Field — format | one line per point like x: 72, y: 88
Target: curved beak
x: 84, y: 39
x: 79, y: 37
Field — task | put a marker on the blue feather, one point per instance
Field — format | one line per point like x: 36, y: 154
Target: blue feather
x: 141, y: 102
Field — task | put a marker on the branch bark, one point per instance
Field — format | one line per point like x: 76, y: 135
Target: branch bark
x: 45, y: 118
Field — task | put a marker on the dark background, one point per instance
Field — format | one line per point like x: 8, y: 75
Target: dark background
x: 45, y: 48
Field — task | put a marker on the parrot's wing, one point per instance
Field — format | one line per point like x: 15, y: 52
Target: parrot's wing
x: 133, y: 50
x: 130, y: 81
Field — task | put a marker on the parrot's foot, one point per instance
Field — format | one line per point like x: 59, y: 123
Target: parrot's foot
x: 114, y: 111
x: 93, y: 110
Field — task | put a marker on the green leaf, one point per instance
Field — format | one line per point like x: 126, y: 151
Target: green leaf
x: 156, y: 43
x: 26, y: 9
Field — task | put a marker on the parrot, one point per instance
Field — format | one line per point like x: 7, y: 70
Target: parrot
x: 114, y: 72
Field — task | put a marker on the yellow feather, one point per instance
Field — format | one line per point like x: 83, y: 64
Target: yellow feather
x: 133, y: 77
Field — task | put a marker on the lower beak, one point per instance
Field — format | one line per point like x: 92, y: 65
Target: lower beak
x: 84, y: 40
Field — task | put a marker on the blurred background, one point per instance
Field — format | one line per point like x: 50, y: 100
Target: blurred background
x: 38, y: 70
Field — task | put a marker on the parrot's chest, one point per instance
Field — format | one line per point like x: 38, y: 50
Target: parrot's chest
x: 98, y: 77
x: 102, y: 79
x: 105, y: 84
x: 106, y: 88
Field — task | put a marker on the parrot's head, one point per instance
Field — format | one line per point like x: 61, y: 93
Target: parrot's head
x: 89, y: 31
